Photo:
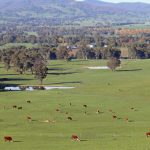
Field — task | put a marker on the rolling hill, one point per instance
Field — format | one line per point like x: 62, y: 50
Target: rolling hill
x: 74, y: 11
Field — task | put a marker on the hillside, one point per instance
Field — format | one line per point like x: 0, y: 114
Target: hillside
x: 74, y: 11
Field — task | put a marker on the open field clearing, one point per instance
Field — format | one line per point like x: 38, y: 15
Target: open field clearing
x: 107, y: 110
x: 9, y: 45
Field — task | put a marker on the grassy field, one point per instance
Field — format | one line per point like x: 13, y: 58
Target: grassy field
x: 27, y: 45
x: 98, y: 89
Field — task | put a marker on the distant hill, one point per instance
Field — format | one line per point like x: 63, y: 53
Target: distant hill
x: 76, y: 10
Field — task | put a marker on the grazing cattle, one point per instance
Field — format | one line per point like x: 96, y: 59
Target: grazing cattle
x: 75, y: 138
x: 14, y: 106
x: 126, y: 119
x: 29, y: 102
x: 147, y: 134
x: 69, y: 118
x: 85, y: 106
x: 98, y: 111
x: 70, y: 104
x: 29, y: 118
x: 114, y: 117
x: 132, y: 108
x: 48, y: 121
x: 57, y: 109
x: 19, y: 108
x: 8, y: 138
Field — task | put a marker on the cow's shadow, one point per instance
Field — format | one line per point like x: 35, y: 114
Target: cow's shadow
x: 83, y: 140
x: 17, y: 141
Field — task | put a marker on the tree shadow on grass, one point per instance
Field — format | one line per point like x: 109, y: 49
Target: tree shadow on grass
x: 8, y: 74
x: 61, y: 73
x: 34, y: 120
x: 83, y: 140
x: 129, y: 70
x: 55, y: 69
x: 131, y: 121
x: 78, y: 82
x: 3, y: 85
x: 17, y: 141
x: 8, y: 85
x: 13, y: 79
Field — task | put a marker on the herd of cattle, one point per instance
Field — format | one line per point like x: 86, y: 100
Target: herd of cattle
x: 74, y: 137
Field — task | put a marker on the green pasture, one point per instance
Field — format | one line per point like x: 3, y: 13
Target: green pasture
x: 112, y: 93
x: 32, y: 33
x: 9, y: 45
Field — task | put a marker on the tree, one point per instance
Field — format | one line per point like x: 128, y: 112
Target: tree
x: 40, y: 69
x: 83, y: 47
x: 62, y: 52
x: 113, y: 63
x: 6, y: 60
x: 18, y: 61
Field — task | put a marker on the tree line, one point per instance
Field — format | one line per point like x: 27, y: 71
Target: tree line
x: 91, y: 42
x: 25, y: 60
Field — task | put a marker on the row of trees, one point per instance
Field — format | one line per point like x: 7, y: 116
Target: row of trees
x: 104, y: 40
x: 34, y: 60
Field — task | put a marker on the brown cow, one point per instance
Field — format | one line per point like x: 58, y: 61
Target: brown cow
x: 126, y: 119
x: 29, y: 102
x: 85, y: 106
x: 114, y: 117
x: 69, y: 118
x: 75, y: 138
x: 14, y: 106
x: 8, y: 138
x: 57, y: 110
x: 70, y: 103
x: 147, y: 134
x: 29, y: 118
x: 19, y: 108
x: 98, y: 111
